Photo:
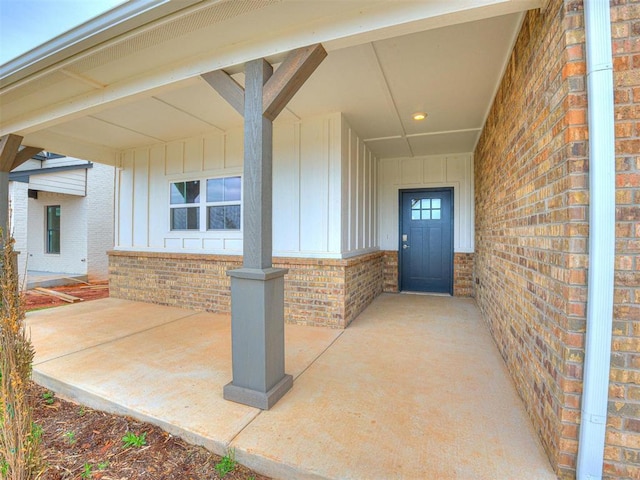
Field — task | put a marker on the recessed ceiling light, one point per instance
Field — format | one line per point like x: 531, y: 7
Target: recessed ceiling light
x: 419, y: 116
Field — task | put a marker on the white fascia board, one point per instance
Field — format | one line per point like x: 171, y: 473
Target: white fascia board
x: 380, y: 20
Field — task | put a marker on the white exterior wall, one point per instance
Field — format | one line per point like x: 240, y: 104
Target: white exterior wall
x: 100, y: 217
x: 360, y: 193
x: 427, y: 172
x: 19, y: 213
x: 313, y: 191
x: 73, y: 234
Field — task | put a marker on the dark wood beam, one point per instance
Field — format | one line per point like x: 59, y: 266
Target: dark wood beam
x: 25, y: 154
x: 289, y: 77
x: 9, y: 145
x: 227, y: 87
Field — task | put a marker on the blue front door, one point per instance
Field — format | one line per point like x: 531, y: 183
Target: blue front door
x: 426, y: 240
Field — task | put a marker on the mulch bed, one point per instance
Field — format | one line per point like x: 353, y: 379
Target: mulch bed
x: 79, y: 442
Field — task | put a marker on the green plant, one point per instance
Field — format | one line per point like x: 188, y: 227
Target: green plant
x: 81, y: 411
x: 36, y: 431
x: 71, y: 437
x: 87, y: 471
x: 227, y: 464
x: 132, y: 440
x: 49, y: 397
x: 103, y: 465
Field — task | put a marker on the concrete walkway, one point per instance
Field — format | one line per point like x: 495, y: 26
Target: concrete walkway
x: 413, y: 389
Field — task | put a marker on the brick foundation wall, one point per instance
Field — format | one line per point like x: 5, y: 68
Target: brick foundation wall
x: 364, y: 279
x: 463, y: 275
x: 323, y: 292
x: 391, y: 281
x: 531, y: 223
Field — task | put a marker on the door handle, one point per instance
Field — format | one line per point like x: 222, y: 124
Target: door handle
x: 404, y: 247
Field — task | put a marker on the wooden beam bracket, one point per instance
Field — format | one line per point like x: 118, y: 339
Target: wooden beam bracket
x: 227, y: 87
x: 289, y: 77
x: 9, y: 145
x: 25, y: 154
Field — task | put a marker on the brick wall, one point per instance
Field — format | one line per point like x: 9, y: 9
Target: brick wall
x: 323, y: 292
x: 531, y: 223
x: 73, y: 234
x: 18, y: 205
x: 532, y: 231
x: 100, y: 197
x: 622, y: 453
x: 463, y: 275
x: 390, y: 260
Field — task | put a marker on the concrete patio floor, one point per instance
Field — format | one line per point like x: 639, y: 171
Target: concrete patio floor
x: 413, y: 389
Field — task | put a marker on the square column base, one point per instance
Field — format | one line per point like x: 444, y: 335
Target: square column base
x: 255, y: 398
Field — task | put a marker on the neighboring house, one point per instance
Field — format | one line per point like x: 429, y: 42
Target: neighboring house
x: 490, y: 196
x: 62, y: 216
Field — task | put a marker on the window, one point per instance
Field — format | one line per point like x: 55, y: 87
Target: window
x: 220, y: 204
x: 185, y: 212
x: 53, y: 229
x: 425, y: 209
x: 223, y: 203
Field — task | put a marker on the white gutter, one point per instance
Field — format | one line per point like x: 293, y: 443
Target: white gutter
x: 600, y: 285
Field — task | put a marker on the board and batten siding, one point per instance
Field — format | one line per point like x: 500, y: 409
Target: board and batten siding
x: 427, y: 172
x: 323, y: 178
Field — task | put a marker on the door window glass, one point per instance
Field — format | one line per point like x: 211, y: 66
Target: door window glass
x: 426, y: 209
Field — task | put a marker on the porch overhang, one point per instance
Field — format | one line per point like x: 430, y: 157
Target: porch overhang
x: 108, y: 85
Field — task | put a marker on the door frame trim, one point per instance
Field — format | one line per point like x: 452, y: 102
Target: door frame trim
x: 400, y: 222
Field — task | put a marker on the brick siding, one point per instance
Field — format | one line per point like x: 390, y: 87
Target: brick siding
x: 531, y: 168
x: 530, y: 177
x: 391, y: 281
x: 462, y: 273
x: 622, y: 452
x: 324, y: 292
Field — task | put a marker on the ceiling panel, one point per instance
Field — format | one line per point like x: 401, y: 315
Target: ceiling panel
x: 92, y: 130
x: 350, y: 81
x: 154, y: 118
x: 202, y: 101
x: 443, y: 143
x: 450, y: 73
x: 391, y: 147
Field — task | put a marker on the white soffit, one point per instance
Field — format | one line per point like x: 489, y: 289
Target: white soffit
x: 144, y: 86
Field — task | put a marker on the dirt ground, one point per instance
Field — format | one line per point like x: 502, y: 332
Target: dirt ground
x: 35, y: 300
x: 81, y: 443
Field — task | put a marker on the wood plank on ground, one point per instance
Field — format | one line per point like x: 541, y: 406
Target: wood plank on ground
x: 60, y: 295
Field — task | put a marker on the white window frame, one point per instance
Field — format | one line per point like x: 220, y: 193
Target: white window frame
x: 203, y: 204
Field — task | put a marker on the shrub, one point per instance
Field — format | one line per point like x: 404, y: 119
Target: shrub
x: 19, y: 437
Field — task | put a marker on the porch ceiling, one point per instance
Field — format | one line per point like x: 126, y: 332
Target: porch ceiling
x: 378, y: 80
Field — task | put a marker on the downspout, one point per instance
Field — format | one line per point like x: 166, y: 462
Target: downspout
x: 597, y: 357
